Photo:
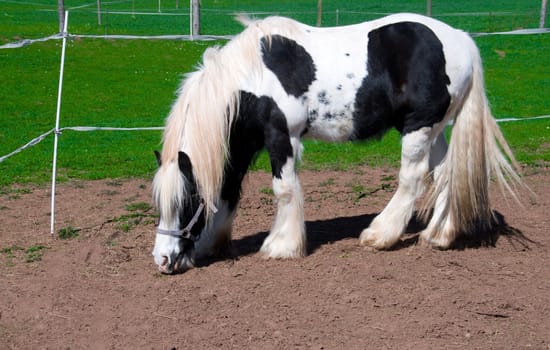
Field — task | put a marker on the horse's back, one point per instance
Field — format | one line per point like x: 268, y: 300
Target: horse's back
x: 331, y: 82
x: 346, y: 99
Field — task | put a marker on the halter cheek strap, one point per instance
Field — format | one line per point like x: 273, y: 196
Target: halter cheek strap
x: 186, y: 232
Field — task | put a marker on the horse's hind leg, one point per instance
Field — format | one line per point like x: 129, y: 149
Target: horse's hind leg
x: 287, y: 238
x: 438, y: 152
x: 387, y: 227
x: 438, y: 218
x: 440, y: 231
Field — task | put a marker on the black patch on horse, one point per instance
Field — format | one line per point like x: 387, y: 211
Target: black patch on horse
x: 260, y: 124
x: 406, y: 82
x: 290, y: 62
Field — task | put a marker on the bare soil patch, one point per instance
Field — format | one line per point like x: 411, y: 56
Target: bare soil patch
x: 101, y: 289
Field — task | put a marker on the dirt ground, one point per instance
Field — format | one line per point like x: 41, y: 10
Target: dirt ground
x: 101, y: 289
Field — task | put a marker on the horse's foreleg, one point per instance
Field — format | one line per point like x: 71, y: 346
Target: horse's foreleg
x: 216, y: 240
x: 387, y: 227
x: 287, y: 238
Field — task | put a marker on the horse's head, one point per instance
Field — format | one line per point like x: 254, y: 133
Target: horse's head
x: 182, y: 215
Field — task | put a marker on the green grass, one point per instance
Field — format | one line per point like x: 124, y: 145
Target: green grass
x: 107, y: 83
x: 39, y: 17
x: 31, y: 254
x: 140, y: 206
x: 138, y: 214
x: 68, y: 232
x: 133, y: 83
x: 518, y: 85
x: 10, y: 251
x: 35, y: 253
x: 493, y: 15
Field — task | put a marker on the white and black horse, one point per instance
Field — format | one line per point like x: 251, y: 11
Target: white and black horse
x: 280, y: 80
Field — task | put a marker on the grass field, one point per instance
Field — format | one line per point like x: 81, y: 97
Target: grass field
x: 132, y: 83
x: 39, y: 17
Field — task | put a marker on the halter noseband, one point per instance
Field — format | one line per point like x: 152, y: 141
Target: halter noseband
x: 186, y: 232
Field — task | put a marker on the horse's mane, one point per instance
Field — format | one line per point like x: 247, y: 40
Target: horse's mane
x: 201, y: 117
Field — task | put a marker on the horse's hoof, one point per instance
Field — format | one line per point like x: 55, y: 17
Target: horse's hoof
x: 370, y: 239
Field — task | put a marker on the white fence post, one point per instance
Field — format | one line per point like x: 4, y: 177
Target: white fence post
x: 196, y: 17
x: 98, y: 12
x: 61, y: 14
x: 57, y: 115
x: 543, y: 9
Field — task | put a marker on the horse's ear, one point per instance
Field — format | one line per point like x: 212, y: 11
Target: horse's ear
x: 157, y: 155
x: 184, y: 164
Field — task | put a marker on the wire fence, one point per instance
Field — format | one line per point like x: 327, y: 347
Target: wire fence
x: 41, y: 137
x: 160, y: 18
x: 82, y: 13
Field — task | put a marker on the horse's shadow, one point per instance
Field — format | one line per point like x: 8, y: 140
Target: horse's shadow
x: 322, y: 232
x: 319, y: 233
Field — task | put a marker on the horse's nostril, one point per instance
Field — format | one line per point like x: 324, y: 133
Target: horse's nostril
x: 164, y: 261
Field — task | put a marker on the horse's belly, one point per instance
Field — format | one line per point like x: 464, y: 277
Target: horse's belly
x: 329, y: 125
x: 330, y: 107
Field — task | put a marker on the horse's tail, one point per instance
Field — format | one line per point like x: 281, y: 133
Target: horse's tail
x: 477, y: 154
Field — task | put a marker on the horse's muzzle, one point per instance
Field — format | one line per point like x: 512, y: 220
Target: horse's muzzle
x: 164, y: 267
x: 181, y: 263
